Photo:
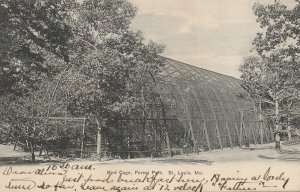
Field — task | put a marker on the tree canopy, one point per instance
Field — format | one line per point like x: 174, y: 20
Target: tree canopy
x: 273, y: 76
x: 80, y: 54
x: 33, y: 33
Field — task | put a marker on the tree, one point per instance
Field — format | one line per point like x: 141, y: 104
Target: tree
x: 112, y: 61
x: 264, y: 86
x: 274, y: 75
x: 29, y: 32
x: 34, y: 47
x: 87, y: 49
x: 25, y: 119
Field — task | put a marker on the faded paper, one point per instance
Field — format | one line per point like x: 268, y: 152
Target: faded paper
x: 93, y: 176
x: 194, y: 32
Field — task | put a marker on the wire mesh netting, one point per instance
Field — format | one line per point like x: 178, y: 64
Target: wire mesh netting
x: 201, y: 110
x: 194, y: 110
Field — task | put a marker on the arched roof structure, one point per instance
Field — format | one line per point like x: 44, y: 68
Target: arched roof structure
x: 214, y: 109
x: 189, y: 104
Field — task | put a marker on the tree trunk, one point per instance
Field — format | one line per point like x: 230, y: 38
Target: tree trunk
x: 261, y: 124
x: 164, y: 116
x: 98, y: 139
x: 82, y: 141
x: 288, y: 129
x: 41, y: 149
x: 32, y: 152
x: 15, y: 145
x: 289, y: 133
x: 277, y: 135
x: 276, y: 115
x: 32, y: 156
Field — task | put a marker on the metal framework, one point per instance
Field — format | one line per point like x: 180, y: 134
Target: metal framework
x: 213, y: 108
x: 194, y: 108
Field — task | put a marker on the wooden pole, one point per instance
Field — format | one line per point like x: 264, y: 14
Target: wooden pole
x: 192, y: 135
x: 128, y: 146
x: 165, y: 126
x: 253, y: 133
x: 164, y: 116
x: 289, y: 128
x: 168, y: 142
x: 214, y: 115
x: 276, y: 115
x: 241, y: 129
x: 98, y: 139
x: 82, y: 140
x: 206, y: 135
x: 228, y: 132
x: 186, y: 109
x: 289, y: 132
x: 218, y: 135
x: 202, y: 116
x: 265, y: 131
x: 261, y: 123
x: 237, y: 134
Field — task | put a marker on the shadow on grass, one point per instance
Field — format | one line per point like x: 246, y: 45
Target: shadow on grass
x: 294, y: 159
x: 290, y: 154
x: 257, y: 148
x: 285, y: 155
x: 170, y: 161
x: 265, y: 157
x: 183, y: 160
x: 289, y: 151
x: 26, y: 161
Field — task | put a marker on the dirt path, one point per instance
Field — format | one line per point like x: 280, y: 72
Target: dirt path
x: 256, y: 153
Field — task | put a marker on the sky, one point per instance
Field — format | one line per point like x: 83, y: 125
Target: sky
x: 211, y: 34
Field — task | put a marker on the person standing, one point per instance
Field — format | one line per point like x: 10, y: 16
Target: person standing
x: 277, y: 140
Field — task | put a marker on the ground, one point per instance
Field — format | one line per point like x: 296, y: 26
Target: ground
x: 261, y: 165
x: 253, y: 153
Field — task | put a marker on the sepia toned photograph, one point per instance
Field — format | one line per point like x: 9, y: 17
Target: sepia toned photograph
x: 149, y: 95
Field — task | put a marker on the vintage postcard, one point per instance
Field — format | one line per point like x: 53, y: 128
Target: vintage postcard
x: 149, y: 95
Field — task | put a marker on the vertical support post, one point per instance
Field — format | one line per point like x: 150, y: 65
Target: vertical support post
x: 168, y: 143
x: 228, y: 132
x: 253, y: 133
x: 58, y: 146
x: 202, y: 115
x: 128, y: 139
x: 165, y: 127
x: 98, y: 139
x: 224, y: 114
x: 82, y: 140
x: 289, y: 129
x: 260, y: 117
x: 186, y: 109
x: 155, y: 136
x: 238, y: 135
x: 276, y: 131
x: 206, y: 135
x: 289, y: 132
x: 128, y: 146
x: 276, y: 115
x: 241, y: 129
x: 218, y: 135
x: 246, y: 134
x: 192, y: 135
x: 265, y: 131
x: 215, y: 117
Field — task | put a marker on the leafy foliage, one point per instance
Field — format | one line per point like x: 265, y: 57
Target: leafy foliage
x: 65, y: 54
x: 273, y: 75
x: 30, y: 31
x: 112, y: 62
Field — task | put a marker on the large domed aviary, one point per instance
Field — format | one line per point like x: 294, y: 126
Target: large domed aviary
x: 207, y: 109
